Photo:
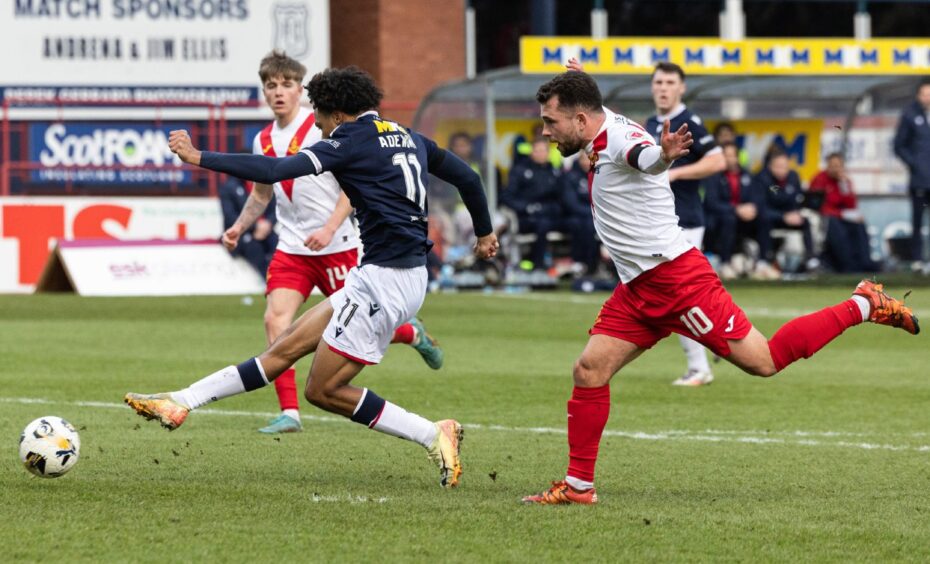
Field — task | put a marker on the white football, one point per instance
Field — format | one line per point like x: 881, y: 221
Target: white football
x: 49, y: 446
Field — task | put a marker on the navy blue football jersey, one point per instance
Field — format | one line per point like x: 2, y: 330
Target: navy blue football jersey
x: 688, y: 204
x: 382, y: 168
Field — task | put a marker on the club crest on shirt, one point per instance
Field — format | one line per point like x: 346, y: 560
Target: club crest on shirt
x: 593, y: 158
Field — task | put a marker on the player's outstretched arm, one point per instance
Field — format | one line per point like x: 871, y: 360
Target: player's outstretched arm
x: 448, y: 167
x: 257, y: 168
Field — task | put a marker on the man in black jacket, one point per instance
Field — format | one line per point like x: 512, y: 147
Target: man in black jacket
x: 731, y: 210
x: 912, y: 145
x: 534, y: 192
x: 780, y: 187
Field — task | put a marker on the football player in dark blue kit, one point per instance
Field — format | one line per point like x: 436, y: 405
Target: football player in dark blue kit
x: 705, y: 159
x: 382, y: 167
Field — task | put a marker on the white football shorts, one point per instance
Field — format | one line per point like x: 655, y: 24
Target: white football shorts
x: 372, y: 304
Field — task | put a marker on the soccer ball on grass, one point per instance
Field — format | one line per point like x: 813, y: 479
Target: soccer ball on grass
x: 49, y: 446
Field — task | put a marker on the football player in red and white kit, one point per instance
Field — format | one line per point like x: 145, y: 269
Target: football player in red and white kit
x: 318, y: 243
x: 666, y: 285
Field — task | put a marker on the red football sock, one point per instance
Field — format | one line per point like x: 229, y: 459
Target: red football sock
x: 803, y: 336
x: 404, y: 334
x: 587, y: 415
x: 285, y: 386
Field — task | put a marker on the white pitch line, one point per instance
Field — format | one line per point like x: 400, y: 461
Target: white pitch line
x: 789, y: 438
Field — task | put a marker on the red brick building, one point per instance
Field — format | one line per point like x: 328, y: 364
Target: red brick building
x: 408, y: 46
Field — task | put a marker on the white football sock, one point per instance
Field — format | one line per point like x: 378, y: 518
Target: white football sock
x: 579, y: 485
x: 292, y: 413
x: 694, y: 351
x: 865, y: 307
x: 399, y: 422
x: 219, y: 385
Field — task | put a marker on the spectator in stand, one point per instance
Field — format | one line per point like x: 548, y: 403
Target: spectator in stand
x: 912, y: 145
x: 725, y: 132
x: 731, y: 210
x: 460, y: 143
x: 522, y: 147
x: 534, y: 194
x: 576, y: 215
x: 258, y: 243
x: 780, y: 187
x: 847, y: 244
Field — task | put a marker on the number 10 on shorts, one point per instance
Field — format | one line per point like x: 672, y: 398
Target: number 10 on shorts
x: 697, y: 321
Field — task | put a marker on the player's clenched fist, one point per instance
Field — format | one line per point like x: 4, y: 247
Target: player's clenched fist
x: 486, y: 247
x: 231, y: 237
x: 180, y: 144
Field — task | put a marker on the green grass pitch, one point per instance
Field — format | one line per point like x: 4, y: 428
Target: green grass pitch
x: 828, y: 461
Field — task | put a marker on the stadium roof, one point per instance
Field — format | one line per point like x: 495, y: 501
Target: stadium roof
x: 508, y: 92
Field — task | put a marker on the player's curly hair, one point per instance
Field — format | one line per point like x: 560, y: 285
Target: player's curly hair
x: 574, y: 89
x: 349, y: 90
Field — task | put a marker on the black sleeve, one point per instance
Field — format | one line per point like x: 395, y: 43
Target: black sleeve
x: 703, y: 140
x: 715, y: 200
x: 446, y: 166
x: 259, y: 168
x: 902, y: 141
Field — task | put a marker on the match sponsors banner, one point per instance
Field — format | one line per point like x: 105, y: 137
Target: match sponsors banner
x: 639, y: 55
x: 132, y: 147
x: 146, y: 43
x: 148, y: 268
x: 30, y: 227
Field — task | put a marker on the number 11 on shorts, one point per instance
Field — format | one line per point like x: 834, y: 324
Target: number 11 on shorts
x: 697, y: 321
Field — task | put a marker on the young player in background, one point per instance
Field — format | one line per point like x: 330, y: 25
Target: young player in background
x: 666, y: 285
x: 704, y: 159
x: 318, y: 243
x: 383, y: 168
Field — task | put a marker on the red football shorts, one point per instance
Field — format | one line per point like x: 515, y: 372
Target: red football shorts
x: 303, y: 272
x: 682, y: 296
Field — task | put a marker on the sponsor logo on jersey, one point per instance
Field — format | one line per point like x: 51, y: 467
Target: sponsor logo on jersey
x: 339, y: 331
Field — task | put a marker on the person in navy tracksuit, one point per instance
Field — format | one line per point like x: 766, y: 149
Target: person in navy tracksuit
x: 912, y: 145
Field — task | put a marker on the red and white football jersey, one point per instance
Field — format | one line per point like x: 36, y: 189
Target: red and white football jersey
x: 634, y: 212
x: 306, y: 203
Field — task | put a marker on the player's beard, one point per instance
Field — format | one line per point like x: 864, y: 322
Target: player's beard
x: 569, y: 147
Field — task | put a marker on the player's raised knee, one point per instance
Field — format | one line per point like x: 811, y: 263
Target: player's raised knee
x: 587, y: 374
x: 316, y: 395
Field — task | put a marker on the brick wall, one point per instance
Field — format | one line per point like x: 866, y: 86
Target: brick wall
x: 409, y: 46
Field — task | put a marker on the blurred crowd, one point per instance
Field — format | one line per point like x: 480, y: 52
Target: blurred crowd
x: 758, y: 225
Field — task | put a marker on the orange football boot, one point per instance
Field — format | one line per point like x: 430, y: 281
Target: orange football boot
x: 885, y: 309
x: 168, y: 412
x: 562, y: 494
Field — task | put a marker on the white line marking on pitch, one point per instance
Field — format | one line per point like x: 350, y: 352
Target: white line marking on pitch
x: 707, y: 435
